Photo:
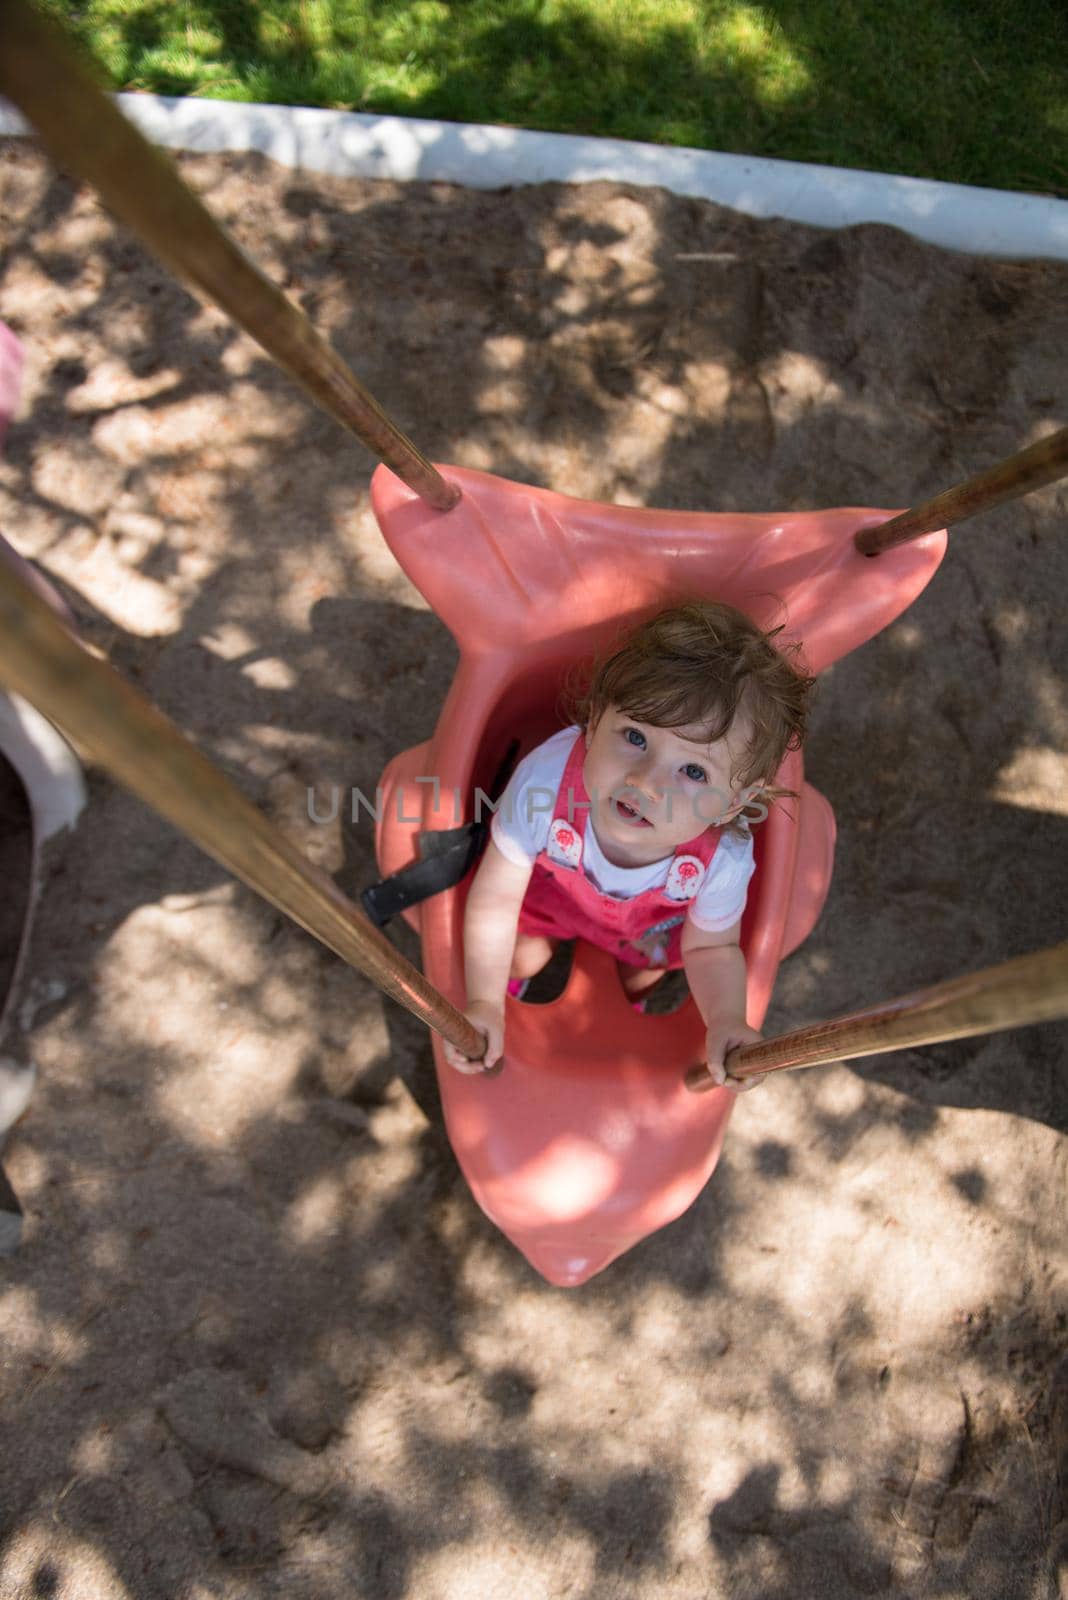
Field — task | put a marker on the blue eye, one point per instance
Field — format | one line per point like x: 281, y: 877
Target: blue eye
x: 695, y: 773
x: 639, y: 738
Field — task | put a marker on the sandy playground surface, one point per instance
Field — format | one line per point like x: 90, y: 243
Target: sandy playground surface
x: 259, y: 1340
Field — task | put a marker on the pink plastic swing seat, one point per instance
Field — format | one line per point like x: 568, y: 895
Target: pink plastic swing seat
x: 588, y: 1140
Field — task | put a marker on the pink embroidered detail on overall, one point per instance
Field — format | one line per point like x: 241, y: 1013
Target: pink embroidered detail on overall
x: 562, y: 903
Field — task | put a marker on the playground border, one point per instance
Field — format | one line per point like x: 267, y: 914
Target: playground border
x: 993, y: 222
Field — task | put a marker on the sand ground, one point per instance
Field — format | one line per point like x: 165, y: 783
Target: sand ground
x: 259, y: 1341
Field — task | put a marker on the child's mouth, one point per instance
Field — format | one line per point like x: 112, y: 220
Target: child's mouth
x: 629, y: 814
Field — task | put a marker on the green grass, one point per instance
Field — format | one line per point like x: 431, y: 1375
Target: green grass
x: 971, y: 91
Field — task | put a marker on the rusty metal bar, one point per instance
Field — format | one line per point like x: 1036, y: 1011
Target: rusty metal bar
x: 1017, y: 475
x: 1032, y: 988
x: 87, y: 134
x: 140, y: 747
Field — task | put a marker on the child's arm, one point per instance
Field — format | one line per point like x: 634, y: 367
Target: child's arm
x: 491, y: 919
x: 715, y: 971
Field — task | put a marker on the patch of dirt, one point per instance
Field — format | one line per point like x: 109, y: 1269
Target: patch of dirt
x: 259, y: 1340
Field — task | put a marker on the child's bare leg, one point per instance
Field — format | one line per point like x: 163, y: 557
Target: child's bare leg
x: 532, y: 952
x: 636, y: 980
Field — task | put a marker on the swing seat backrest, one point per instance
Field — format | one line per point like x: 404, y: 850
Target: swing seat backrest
x: 588, y: 1140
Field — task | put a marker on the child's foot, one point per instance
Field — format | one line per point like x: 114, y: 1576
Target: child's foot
x: 671, y: 995
x: 664, y: 997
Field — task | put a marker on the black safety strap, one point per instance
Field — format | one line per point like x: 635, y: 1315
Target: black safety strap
x: 446, y: 857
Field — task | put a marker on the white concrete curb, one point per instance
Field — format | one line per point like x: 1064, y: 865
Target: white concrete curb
x: 351, y: 144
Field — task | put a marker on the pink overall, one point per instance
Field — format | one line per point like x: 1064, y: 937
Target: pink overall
x: 562, y: 903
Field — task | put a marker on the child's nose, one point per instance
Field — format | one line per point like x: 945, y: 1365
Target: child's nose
x: 644, y: 776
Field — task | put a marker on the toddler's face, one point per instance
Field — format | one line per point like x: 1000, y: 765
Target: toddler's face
x: 652, y: 789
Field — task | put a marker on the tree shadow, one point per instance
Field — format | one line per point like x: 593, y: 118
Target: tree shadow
x: 259, y: 1331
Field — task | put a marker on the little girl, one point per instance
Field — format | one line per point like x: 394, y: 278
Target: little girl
x: 629, y: 828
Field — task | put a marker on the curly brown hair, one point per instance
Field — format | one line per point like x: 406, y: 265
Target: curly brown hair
x: 705, y: 662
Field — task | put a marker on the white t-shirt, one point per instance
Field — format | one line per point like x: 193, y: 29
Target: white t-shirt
x: 520, y: 830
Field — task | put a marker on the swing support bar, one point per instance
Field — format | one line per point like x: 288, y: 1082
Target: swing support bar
x: 140, y: 747
x: 1031, y: 988
x: 89, y: 136
x: 1017, y: 475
